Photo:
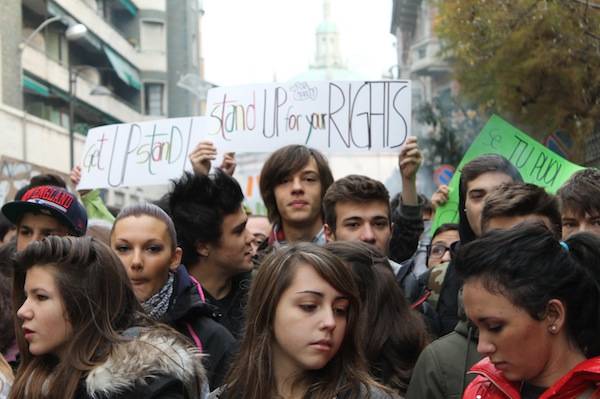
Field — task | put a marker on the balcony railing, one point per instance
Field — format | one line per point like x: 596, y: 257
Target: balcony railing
x: 425, y: 58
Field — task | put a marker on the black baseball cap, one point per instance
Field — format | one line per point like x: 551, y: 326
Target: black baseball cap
x: 52, y: 201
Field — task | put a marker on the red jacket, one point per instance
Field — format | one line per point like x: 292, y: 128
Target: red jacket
x: 491, y: 384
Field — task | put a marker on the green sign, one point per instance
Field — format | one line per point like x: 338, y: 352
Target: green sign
x: 536, y: 163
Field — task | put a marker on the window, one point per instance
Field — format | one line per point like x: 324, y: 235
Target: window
x: 119, y: 199
x: 154, y: 95
x: 153, y: 36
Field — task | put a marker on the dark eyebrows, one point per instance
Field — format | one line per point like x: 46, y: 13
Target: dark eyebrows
x: 321, y: 295
x: 310, y: 172
x: 477, y: 191
x: 316, y: 293
x: 240, y: 227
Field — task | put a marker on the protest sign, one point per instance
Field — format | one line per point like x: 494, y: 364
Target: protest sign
x: 346, y: 117
x: 334, y: 117
x: 137, y: 154
x: 537, y: 164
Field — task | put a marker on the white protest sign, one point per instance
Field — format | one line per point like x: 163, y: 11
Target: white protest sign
x: 334, y: 117
x: 138, y: 154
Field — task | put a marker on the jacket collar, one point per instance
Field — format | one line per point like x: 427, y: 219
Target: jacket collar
x: 487, y: 369
x: 581, y: 377
x: 144, y: 353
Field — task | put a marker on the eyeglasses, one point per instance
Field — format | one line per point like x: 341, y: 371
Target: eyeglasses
x: 438, y: 250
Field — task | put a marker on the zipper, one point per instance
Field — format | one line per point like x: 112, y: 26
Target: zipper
x: 484, y: 374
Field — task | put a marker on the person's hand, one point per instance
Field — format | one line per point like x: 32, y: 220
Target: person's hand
x: 229, y: 163
x: 410, y: 159
x: 75, y: 178
x: 201, y: 157
x: 440, y: 197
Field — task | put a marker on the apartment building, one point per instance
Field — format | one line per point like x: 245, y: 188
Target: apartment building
x: 131, y: 60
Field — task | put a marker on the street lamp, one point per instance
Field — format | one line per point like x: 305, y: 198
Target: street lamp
x: 96, y: 91
x: 75, y: 31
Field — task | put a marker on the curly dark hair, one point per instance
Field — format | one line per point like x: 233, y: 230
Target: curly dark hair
x: 197, y: 205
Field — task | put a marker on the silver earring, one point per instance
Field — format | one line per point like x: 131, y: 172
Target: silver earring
x: 553, y: 329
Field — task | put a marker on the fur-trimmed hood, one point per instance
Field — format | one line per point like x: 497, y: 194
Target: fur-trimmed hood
x: 146, y: 354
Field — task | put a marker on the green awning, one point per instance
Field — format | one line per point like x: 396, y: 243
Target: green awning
x: 35, y: 86
x: 125, y: 70
x: 129, y: 6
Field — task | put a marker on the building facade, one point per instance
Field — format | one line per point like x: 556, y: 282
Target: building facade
x: 417, y: 47
x: 126, y: 67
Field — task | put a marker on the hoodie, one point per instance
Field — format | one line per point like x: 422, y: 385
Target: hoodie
x: 150, y: 364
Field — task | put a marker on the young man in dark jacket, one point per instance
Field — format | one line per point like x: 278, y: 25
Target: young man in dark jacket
x: 211, y: 229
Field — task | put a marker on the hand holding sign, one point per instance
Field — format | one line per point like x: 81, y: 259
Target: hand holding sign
x: 334, y: 117
x: 75, y: 178
x: 410, y: 159
x: 537, y: 164
x: 201, y: 157
x: 440, y: 197
x: 229, y: 163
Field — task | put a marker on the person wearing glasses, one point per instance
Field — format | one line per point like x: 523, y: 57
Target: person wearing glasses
x: 444, y: 237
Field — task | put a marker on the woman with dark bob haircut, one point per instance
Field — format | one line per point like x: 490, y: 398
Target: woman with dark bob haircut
x: 396, y: 334
x: 82, y: 333
x: 536, y: 302
x: 301, y: 335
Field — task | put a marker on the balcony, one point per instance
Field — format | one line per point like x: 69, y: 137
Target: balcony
x: 38, y: 64
x: 425, y: 58
x: 108, y: 34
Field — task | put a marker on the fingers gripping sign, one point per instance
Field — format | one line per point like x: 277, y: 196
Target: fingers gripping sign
x: 229, y: 163
x: 201, y: 157
x: 440, y: 197
x: 410, y: 159
x: 75, y: 177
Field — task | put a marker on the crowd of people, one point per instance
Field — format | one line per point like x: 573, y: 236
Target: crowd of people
x: 338, y: 292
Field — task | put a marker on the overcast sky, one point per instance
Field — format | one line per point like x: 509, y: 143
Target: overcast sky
x: 253, y: 41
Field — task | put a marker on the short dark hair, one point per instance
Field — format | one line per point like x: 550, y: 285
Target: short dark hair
x: 470, y: 171
x: 198, y: 204
x: 353, y: 188
x: 283, y: 163
x: 533, y: 267
x: 5, y: 226
x: 522, y: 199
x: 443, y: 228
x: 581, y: 192
x: 44, y: 179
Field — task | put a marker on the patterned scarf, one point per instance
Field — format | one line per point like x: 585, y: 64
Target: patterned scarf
x: 156, y: 306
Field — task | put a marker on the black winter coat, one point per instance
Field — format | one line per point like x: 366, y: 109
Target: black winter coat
x: 192, y: 316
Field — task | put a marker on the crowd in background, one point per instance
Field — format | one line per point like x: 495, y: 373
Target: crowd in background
x: 338, y: 292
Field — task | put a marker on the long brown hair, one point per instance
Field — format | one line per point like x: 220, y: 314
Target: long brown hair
x: 99, y: 304
x: 397, y: 334
x: 251, y: 375
x: 285, y: 162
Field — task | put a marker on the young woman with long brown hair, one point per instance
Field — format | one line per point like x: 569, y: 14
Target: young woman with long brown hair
x: 396, y: 334
x: 301, y: 336
x: 82, y: 333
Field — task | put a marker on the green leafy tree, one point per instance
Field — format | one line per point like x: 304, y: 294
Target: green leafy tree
x: 534, y: 62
